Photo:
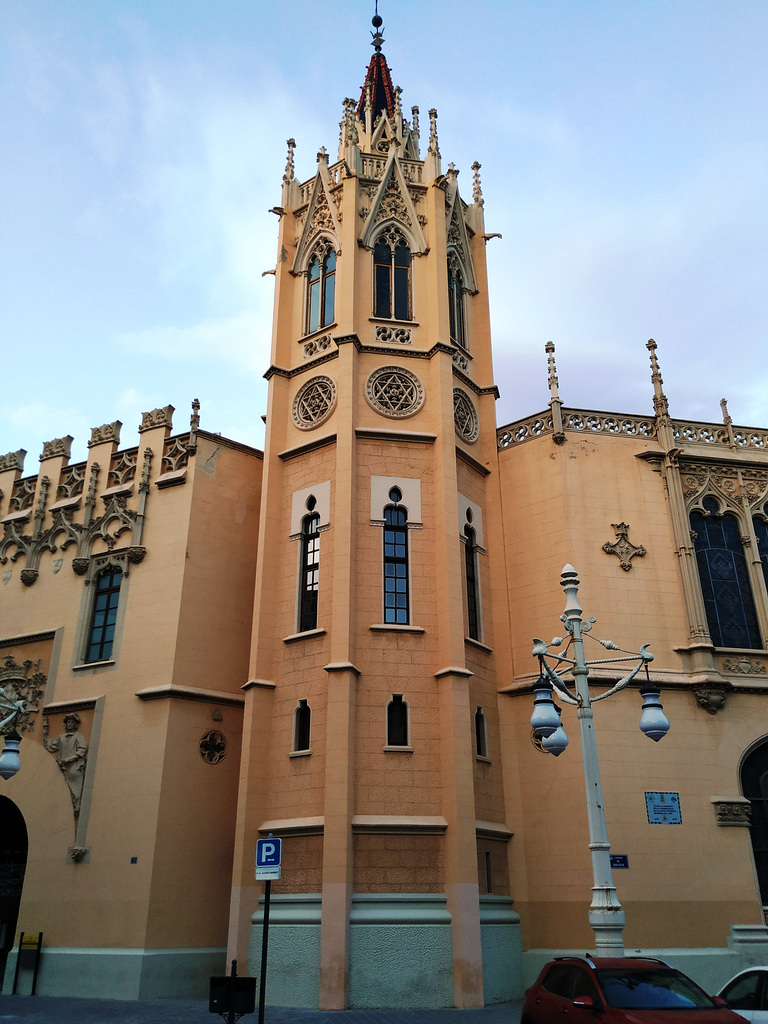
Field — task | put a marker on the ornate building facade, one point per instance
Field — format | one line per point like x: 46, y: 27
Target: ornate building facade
x: 330, y: 642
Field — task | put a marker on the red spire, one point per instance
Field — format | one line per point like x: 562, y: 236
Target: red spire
x: 382, y: 91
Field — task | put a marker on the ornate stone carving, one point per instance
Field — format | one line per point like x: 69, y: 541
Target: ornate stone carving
x: 460, y: 360
x: 746, y: 666
x: 106, y: 432
x: 314, y: 402
x: 72, y: 482
x: 71, y: 750
x: 59, y: 447
x: 394, y: 391
x: 28, y: 576
x: 524, y: 430
x: 157, y: 418
x: 18, y: 684
x: 711, y: 697
x: 622, y: 547
x: 465, y: 417
x: 136, y: 554
x: 80, y: 565
x: 23, y: 494
x: 398, y: 335
x: 733, y: 812
x: 13, y: 460
x: 317, y: 345
x: 123, y: 468
x: 213, y: 747
x: 176, y: 455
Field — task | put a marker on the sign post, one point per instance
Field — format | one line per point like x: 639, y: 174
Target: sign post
x: 268, y: 856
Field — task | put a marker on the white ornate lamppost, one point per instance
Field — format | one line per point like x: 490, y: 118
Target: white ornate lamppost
x: 606, y: 916
x: 10, y: 762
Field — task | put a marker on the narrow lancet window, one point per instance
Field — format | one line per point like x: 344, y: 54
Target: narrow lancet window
x: 397, y: 722
x: 302, y: 720
x: 396, y: 608
x: 321, y: 289
x: 309, y: 581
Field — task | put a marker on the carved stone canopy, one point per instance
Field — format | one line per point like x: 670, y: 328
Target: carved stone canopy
x: 624, y: 550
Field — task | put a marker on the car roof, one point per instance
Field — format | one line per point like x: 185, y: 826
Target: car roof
x: 634, y: 963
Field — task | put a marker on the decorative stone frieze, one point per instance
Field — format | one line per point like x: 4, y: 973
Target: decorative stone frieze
x: 622, y: 547
x: 59, y: 447
x: 317, y: 345
x: 460, y: 360
x: 733, y: 812
x: 157, y: 418
x: 711, y: 697
x: 396, y: 335
x: 465, y: 417
x: 106, y: 432
x: 314, y: 402
x: 395, y: 392
x: 744, y: 665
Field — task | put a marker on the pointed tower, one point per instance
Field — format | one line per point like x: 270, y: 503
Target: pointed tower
x: 371, y: 730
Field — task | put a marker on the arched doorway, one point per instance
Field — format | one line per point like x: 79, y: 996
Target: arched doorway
x: 754, y: 786
x: 13, y: 863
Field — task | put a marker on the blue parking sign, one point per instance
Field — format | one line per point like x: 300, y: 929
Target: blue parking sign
x: 268, y: 857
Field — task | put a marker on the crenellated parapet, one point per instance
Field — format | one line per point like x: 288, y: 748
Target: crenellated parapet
x: 93, y: 507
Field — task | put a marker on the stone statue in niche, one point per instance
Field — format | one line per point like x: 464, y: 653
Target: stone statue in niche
x: 71, y: 749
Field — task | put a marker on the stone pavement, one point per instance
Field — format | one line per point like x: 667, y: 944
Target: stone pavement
x: 58, y: 1010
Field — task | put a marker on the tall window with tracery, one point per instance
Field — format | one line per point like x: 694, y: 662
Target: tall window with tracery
x: 396, y: 604
x: 724, y: 577
x: 456, y: 302
x: 321, y: 288
x: 309, y: 581
x: 101, y: 634
x: 470, y: 577
x: 392, y: 276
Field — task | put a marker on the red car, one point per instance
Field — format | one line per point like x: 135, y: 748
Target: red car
x: 620, y: 990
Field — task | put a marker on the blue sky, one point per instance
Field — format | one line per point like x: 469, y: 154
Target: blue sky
x: 624, y: 160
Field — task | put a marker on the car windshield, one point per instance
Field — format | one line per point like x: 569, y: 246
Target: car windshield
x: 651, y: 990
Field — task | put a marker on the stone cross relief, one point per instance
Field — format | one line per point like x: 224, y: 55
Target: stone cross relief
x: 622, y: 547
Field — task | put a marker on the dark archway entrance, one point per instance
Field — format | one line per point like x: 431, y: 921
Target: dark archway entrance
x: 754, y: 786
x: 13, y: 863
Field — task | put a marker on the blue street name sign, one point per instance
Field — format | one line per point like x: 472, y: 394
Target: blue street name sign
x: 268, y: 856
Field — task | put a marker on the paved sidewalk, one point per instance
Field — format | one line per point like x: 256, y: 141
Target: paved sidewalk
x: 58, y: 1010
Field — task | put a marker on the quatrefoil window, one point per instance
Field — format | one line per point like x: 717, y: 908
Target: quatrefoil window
x: 213, y: 747
x: 465, y: 417
x: 314, y: 403
x: 395, y: 392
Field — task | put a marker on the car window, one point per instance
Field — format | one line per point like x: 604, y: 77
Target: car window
x: 559, y: 980
x: 742, y: 993
x: 569, y: 981
x: 650, y: 989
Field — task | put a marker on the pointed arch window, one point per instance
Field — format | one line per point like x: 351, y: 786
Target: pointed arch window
x: 101, y: 633
x: 392, y: 276
x: 724, y: 577
x: 309, y: 579
x: 481, y: 734
x: 302, y: 721
x: 761, y: 533
x: 396, y: 603
x: 321, y: 288
x: 754, y: 786
x: 397, y: 722
x: 456, y: 312
x: 471, y: 581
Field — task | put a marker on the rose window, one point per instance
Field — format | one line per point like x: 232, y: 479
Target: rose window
x: 465, y: 416
x: 314, y: 403
x: 394, y: 391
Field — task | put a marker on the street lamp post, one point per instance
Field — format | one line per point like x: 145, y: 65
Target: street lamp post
x: 606, y: 916
x: 10, y: 762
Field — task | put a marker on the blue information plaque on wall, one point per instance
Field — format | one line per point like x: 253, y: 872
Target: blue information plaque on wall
x: 663, y: 808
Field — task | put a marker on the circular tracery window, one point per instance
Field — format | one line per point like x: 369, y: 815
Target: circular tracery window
x: 314, y: 403
x: 213, y: 747
x: 394, y: 391
x: 465, y: 416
